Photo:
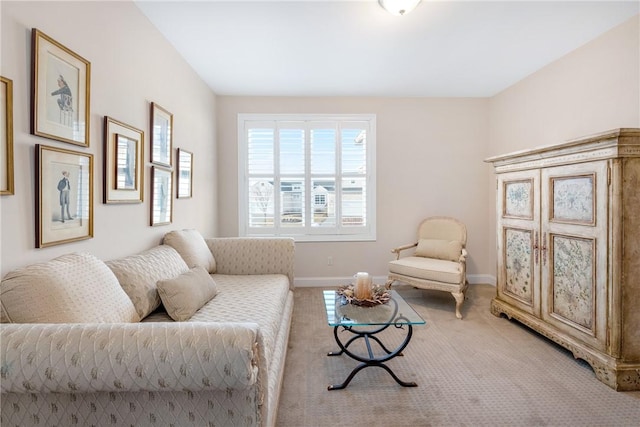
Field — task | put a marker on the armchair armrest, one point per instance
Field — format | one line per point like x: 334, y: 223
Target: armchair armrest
x: 253, y: 255
x: 463, y: 256
x: 402, y: 248
x: 72, y: 358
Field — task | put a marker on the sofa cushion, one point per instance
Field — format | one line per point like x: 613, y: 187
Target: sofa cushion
x: 192, y: 247
x: 439, y: 249
x: 138, y: 275
x: 185, y: 294
x: 73, y: 288
x: 260, y: 298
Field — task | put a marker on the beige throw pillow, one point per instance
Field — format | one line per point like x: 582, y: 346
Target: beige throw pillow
x: 139, y: 273
x: 187, y: 293
x: 73, y: 288
x: 439, y: 249
x: 192, y: 248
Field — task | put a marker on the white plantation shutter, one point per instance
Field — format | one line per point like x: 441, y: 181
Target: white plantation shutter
x: 307, y: 176
x: 260, y: 185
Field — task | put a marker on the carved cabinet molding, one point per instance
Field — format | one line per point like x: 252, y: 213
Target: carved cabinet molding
x: 568, y: 242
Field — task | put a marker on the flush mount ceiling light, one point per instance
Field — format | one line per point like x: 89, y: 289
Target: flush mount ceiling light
x: 398, y: 7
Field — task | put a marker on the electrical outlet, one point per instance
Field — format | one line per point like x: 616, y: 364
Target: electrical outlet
x: 329, y: 260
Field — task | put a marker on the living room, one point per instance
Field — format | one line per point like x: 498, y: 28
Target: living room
x: 133, y: 65
x: 430, y: 150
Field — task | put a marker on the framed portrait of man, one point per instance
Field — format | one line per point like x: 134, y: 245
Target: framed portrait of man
x: 60, y: 91
x: 64, y: 204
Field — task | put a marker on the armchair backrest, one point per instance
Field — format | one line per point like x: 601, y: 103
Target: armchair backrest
x: 443, y: 228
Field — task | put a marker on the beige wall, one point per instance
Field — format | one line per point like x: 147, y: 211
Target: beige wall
x: 429, y: 151
x: 592, y: 89
x: 429, y: 162
x: 132, y: 65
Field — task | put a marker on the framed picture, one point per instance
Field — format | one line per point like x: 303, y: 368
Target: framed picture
x: 64, y: 196
x: 123, y: 163
x: 184, y: 171
x: 6, y: 136
x: 59, y: 91
x: 161, y: 135
x: 161, y: 195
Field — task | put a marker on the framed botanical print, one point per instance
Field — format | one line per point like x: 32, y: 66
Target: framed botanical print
x: 161, y: 195
x: 6, y: 136
x: 60, y: 81
x: 184, y: 172
x: 123, y: 163
x: 64, y: 198
x: 161, y: 135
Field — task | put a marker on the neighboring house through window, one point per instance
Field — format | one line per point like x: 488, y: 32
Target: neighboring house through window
x: 311, y: 177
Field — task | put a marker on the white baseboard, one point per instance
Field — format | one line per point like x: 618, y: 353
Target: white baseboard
x: 315, y: 282
x: 485, y: 279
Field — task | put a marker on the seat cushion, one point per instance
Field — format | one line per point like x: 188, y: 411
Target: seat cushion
x: 427, y: 269
x: 73, y: 288
x: 185, y: 294
x: 138, y: 275
x: 258, y: 298
x: 192, y: 248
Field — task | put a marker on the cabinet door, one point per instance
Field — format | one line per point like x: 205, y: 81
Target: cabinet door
x: 518, y: 233
x: 574, y: 250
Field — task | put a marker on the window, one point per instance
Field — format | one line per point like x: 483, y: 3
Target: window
x: 311, y: 177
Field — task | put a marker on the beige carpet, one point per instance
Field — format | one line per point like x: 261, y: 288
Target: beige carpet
x: 480, y: 371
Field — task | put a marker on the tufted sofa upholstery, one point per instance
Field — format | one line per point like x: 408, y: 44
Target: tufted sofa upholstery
x: 222, y: 367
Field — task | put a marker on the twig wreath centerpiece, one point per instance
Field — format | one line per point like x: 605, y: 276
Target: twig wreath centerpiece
x: 364, y: 293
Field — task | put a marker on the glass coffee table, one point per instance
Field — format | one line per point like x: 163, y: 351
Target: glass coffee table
x: 365, y: 323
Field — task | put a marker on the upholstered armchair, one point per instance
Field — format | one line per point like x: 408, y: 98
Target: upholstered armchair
x: 438, y: 261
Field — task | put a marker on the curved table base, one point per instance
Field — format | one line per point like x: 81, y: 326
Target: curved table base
x: 371, y: 360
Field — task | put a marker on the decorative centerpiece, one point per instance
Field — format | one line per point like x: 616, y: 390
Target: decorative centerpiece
x: 364, y: 292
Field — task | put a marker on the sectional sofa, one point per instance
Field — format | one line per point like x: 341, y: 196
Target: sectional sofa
x: 192, y: 332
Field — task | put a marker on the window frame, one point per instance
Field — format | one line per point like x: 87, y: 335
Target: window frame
x: 311, y: 233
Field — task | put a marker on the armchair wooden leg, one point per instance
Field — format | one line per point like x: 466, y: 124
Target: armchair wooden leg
x: 459, y: 296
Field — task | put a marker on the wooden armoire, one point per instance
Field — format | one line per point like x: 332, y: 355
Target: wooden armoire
x: 568, y: 248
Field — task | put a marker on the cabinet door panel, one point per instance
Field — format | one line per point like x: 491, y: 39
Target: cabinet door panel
x: 519, y: 264
x: 573, y: 281
x: 574, y: 241
x: 518, y: 233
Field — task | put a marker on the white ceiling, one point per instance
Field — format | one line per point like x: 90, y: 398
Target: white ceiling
x: 443, y: 48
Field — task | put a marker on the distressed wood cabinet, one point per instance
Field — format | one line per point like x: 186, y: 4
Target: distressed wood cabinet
x: 568, y: 242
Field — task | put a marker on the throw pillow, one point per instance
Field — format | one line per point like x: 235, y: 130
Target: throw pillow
x: 187, y: 293
x: 439, y: 249
x: 73, y: 288
x: 191, y: 246
x: 139, y: 273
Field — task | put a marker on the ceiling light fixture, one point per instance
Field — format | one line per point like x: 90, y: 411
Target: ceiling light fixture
x: 398, y: 7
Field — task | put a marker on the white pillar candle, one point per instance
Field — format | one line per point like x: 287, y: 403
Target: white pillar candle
x: 363, y: 286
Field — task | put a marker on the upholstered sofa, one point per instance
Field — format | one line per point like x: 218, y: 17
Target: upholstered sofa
x: 92, y: 343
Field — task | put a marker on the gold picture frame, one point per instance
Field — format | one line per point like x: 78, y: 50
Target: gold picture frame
x: 64, y: 196
x: 161, y: 196
x: 123, y: 163
x: 60, y: 91
x: 184, y: 173
x: 6, y: 136
x: 161, y: 135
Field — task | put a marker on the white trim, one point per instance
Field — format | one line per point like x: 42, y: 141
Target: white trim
x: 308, y: 234
x: 316, y: 282
x: 487, y: 279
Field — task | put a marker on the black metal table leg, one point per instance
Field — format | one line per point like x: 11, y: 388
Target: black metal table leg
x: 371, y: 360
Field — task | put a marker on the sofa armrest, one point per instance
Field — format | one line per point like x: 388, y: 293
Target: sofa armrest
x: 253, y: 255
x: 75, y: 358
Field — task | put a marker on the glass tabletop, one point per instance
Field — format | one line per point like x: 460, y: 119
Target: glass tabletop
x: 396, y: 311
